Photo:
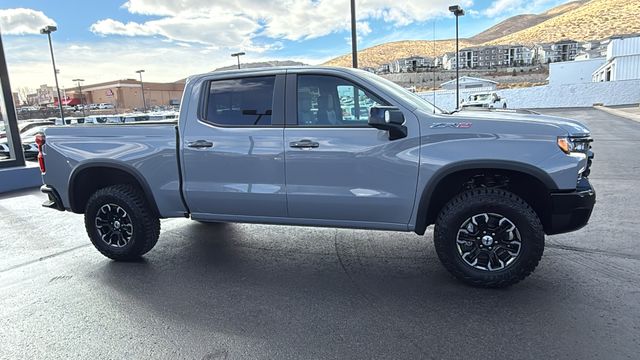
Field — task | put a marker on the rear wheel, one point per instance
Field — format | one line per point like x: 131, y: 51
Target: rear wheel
x: 489, y: 237
x: 120, y: 224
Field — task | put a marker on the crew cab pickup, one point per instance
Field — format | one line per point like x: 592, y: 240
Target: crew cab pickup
x: 334, y: 147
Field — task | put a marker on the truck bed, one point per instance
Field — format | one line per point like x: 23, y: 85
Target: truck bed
x: 147, y: 149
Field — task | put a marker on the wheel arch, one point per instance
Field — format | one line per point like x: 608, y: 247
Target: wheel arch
x: 433, y: 197
x: 87, y: 178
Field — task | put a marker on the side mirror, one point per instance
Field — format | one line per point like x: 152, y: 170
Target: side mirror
x: 390, y: 119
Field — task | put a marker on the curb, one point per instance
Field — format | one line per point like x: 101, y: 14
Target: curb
x: 619, y: 113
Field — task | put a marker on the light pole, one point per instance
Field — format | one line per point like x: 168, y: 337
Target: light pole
x: 81, y: 98
x: 48, y: 30
x: 237, y: 55
x: 144, y: 103
x: 457, y: 12
x: 354, y: 36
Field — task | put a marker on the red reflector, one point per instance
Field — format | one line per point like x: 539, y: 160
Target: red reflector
x: 40, y: 141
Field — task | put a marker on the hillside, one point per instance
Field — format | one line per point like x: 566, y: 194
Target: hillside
x: 384, y: 53
x: 524, y: 21
x: 578, y: 20
x: 596, y: 19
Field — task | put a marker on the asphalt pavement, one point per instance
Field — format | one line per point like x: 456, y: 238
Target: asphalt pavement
x: 236, y: 291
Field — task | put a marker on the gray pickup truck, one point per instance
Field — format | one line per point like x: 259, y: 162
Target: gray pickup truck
x: 335, y: 147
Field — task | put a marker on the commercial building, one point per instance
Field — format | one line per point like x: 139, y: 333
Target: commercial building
x: 622, y: 61
x: 127, y: 93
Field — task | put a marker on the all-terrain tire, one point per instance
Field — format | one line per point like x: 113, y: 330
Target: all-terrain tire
x: 497, y: 201
x: 145, y: 224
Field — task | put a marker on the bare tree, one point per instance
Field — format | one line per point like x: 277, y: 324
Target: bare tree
x: 23, y: 93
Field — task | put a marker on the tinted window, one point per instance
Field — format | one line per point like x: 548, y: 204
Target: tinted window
x: 332, y: 101
x: 238, y: 102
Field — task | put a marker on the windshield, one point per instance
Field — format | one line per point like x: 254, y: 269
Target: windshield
x: 33, y: 131
x: 399, y: 91
x: 479, y: 97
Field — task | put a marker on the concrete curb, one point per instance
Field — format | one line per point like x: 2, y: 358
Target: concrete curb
x: 619, y: 113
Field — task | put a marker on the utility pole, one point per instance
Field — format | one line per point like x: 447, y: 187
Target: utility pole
x: 48, y: 30
x: 81, y: 97
x: 144, y: 103
x: 457, y: 12
x: 237, y: 55
x: 354, y: 36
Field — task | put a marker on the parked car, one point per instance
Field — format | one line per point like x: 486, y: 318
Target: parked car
x: 247, y: 148
x: 488, y: 100
x: 104, y: 106
x: 28, y: 139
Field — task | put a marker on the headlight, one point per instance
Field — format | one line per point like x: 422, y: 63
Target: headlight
x: 575, y: 144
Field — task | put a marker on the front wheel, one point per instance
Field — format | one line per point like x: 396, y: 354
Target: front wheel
x: 489, y: 237
x: 120, y: 223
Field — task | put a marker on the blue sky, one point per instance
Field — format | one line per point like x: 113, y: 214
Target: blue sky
x: 107, y: 40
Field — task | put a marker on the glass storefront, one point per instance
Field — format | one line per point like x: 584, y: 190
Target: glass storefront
x: 10, y: 146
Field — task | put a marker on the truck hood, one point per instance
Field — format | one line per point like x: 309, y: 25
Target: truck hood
x: 572, y: 127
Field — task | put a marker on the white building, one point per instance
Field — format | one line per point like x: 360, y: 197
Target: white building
x: 412, y: 63
x: 468, y: 82
x: 449, y: 61
x: 622, y: 62
x: 573, y: 72
x: 565, y: 50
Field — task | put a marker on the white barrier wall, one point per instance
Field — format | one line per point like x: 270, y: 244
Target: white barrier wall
x: 623, y: 92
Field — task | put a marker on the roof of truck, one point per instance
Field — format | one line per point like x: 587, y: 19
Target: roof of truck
x: 275, y: 70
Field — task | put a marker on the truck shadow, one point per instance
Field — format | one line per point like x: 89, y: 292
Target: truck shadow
x: 305, y: 289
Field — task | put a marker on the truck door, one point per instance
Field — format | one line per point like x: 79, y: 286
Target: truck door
x: 233, y: 147
x: 340, y: 169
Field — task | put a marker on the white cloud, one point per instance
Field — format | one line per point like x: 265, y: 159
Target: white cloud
x: 21, y: 21
x: 238, y: 22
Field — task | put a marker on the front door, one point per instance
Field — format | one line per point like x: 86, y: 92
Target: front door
x: 338, y: 168
x: 233, y: 152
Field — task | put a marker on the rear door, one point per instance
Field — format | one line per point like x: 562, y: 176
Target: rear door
x: 233, y: 149
x: 339, y: 169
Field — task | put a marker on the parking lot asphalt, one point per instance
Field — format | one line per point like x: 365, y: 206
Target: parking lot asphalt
x: 233, y: 291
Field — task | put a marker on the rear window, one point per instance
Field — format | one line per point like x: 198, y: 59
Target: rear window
x: 241, y: 102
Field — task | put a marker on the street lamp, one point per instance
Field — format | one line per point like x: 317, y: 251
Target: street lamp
x: 354, y: 37
x: 81, y: 98
x: 237, y: 55
x: 48, y: 30
x: 144, y: 103
x: 457, y: 12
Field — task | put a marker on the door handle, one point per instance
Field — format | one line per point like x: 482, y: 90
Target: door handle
x: 304, y: 144
x: 200, y: 144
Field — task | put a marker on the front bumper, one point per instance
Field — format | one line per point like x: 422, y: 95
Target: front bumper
x: 54, y: 201
x: 571, y: 211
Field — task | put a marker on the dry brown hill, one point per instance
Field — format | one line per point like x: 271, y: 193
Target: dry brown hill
x: 596, y: 19
x: 578, y: 20
x: 384, y: 53
x: 524, y: 21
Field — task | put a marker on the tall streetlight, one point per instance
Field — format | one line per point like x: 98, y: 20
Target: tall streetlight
x: 144, y: 103
x: 237, y: 55
x: 81, y: 98
x: 457, y: 11
x: 354, y: 37
x: 48, y: 30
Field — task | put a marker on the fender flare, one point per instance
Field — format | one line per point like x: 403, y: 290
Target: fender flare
x: 443, y: 172
x: 113, y: 165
